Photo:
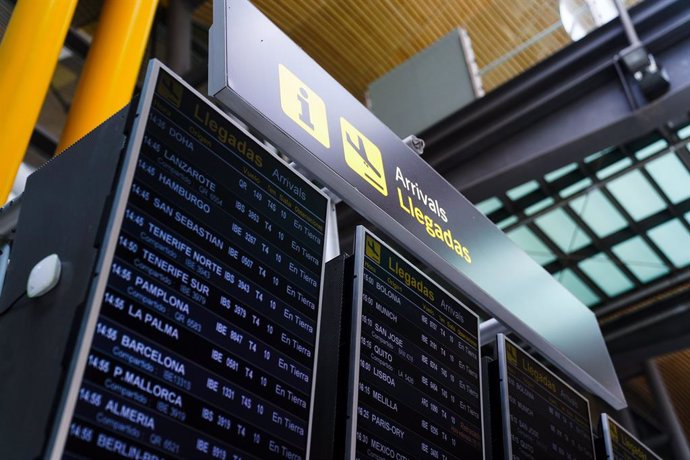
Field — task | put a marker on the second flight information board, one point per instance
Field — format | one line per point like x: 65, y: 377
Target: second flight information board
x: 620, y: 444
x: 542, y: 416
x: 415, y: 372
x: 205, y: 343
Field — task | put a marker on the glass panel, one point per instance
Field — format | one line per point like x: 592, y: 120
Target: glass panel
x: 557, y: 174
x: 528, y: 241
x: 522, y: 190
x: 673, y: 240
x: 636, y: 195
x: 606, y: 275
x: 574, y: 284
x: 651, y: 149
x: 563, y: 230
x: 507, y: 222
x: 538, y: 206
x: 684, y: 133
x: 598, y: 212
x: 596, y: 156
x: 672, y: 176
x: 576, y: 187
x: 486, y: 207
x: 610, y: 170
x: 640, y: 259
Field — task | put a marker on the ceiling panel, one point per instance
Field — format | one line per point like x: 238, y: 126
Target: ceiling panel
x: 358, y: 41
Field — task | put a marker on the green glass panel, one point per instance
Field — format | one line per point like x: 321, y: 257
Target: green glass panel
x: 538, y: 206
x: 598, y: 212
x: 651, y: 149
x: 560, y: 172
x: 574, y: 284
x: 490, y: 205
x: 636, y: 195
x: 672, y: 176
x: 610, y: 170
x: 532, y: 245
x: 507, y: 222
x: 562, y: 230
x: 606, y: 275
x: 673, y: 240
x: 640, y: 259
x: 596, y: 156
x: 522, y: 190
x: 576, y: 187
x: 684, y: 133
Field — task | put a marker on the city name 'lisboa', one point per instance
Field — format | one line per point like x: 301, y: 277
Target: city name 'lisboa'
x: 434, y: 229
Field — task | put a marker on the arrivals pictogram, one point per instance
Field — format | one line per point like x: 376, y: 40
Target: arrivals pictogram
x: 363, y: 156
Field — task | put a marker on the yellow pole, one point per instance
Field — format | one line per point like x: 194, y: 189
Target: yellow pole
x: 111, y: 68
x: 28, y: 55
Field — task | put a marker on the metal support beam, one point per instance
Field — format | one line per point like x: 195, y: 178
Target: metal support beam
x: 627, y: 23
x: 679, y: 442
x: 112, y: 66
x: 489, y: 329
x: 179, y: 37
x: 29, y: 53
x: 627, y: 421
x: 563, y: 109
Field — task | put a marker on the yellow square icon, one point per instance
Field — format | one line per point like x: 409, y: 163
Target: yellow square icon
x: 372, y: 249
x: 303, y: 106
x: 363, y: 156
x: 170, y: 89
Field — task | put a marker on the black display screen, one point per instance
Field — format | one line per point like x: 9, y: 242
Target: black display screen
x: 205, y: 342
x: 619, y: 444
x: 415, y: 381
x: 543, y: 417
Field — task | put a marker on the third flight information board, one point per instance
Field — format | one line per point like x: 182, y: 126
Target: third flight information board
x: 205, y: 342
x: 415, y: 372
x: 620, y: 444
x: 542, y: 416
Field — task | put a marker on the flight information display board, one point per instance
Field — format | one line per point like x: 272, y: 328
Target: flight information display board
x: 542, y: 416
x: 205, y: 343
x: 415, y: 372
x: 620, y: 444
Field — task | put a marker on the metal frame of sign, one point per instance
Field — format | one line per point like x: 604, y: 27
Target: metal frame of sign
x: 608, y: 444
x: 572, y: 358
x: 355, y: 345
x: 501, y: 340
x: 94, y: 303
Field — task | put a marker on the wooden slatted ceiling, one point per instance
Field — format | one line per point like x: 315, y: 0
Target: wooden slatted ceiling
x: 357, y: 41
x: 674, y: 369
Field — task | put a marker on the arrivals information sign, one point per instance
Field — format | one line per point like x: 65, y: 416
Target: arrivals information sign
x: 620, y: 444
x: 206, y: 337
x: 415, y: 372
x: 258, y: 73
x: 542, y: 416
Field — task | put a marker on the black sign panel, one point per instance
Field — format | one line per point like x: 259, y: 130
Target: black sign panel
x: 415, y: 378
x: 619, y: 444
x: 205, y: 343
x: 259, y: 73
x: 542, y: 416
